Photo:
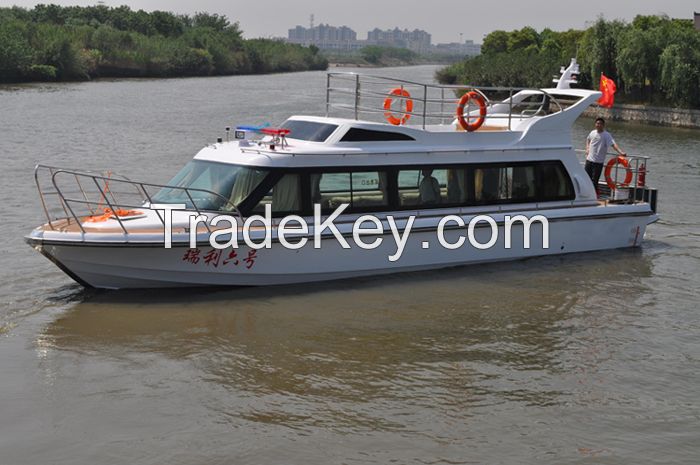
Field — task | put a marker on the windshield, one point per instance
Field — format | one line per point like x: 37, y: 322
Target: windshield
x: 210, y: 185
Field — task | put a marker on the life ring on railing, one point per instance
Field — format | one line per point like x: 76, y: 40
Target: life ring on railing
x: 109, y: 213
x: 406, y: 97
x: 472, y: 95
x: 608, y: 172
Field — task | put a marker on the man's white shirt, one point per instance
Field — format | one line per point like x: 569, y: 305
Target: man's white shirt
x: 598, y: 145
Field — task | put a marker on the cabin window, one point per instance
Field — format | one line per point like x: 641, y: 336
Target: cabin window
x: 422, y: 187
x: 419, y: 187
x: 211, y: 185
x: 507, y: 183
x: 369, y: 189
x: 364, y: 190
x: 457, y: 189
x: 369, y: 135
x: 309, y: 130
x: 283, y: 197
x: 554, y: 183
x: 538, y: 182
x: 432, y: 186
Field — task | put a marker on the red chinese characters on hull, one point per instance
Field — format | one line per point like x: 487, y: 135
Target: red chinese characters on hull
x: 219, y: 257
x: 191, y: 256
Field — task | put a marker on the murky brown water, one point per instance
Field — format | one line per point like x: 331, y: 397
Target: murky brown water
x: 577, y: 359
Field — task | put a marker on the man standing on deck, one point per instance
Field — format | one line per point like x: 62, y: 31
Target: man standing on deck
x: 597, y: 144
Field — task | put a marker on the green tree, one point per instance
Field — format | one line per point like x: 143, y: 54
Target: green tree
x: 552, y: 48
x: 54, y: 42
x: 522, y: 39
x: 167, y: 24
x: 680, y: 72
x: 637, y: 60
x: 652, y: 59
x: 15, y: 51
x: 598, y: 48
x: 214, y: 21
x: 495, y: 42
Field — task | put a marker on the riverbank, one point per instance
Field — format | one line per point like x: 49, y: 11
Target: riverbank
x: 52, y: 43
x: 657, y: 116
x: 385, y: 57
x: 617, y: 49
x: 350, y: 64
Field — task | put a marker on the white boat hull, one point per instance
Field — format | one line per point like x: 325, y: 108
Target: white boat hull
x: 130, y: 265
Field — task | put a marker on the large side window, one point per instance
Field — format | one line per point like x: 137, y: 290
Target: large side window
x: 284, y: 196
x: 543, y: 181
x: 330, y: 189
x: 369, y: 189
x: 554, y: 182
x: 408, y: 182
x: 505, y: 183
x: 364, y: 190
x: 523, y: 187
x: 435, y: 186
x: 431, y: 187
x: 487, y: 185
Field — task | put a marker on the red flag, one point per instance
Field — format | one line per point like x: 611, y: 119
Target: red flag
x: 608, y: 88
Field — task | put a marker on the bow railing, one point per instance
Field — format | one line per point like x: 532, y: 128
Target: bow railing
x: 75, y: 196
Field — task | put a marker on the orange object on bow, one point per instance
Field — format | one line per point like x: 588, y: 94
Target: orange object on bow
x: 109, y: 213
x: 608, y: 88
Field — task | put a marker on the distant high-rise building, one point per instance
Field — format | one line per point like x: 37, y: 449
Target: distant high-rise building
x: 324, y: 36
x: 327, y: 37
x: 696, y: 17
x: 416, y: 40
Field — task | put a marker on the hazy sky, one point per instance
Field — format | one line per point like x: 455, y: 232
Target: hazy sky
x: 444, y: 19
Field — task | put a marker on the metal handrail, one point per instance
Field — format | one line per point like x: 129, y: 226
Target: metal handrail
x: 361, y: 97
x: 141, y: 189
x: 634, y: 167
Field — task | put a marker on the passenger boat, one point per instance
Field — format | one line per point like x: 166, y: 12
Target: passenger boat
x: 423, y: 159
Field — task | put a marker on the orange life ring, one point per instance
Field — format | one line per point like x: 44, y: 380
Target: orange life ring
x: 608, y: 172
x: 399, y: 92
x: 472, y: 95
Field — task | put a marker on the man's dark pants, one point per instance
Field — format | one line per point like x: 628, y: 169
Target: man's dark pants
x: 594, y: 170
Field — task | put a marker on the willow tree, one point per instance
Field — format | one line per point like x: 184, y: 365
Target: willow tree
x: 598, y: 48
x: 680, y: 72
x: 638, y: 61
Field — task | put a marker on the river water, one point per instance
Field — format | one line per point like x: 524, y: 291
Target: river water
x: 591, y: 358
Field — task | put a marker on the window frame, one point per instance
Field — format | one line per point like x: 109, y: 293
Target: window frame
x: 393, y: 194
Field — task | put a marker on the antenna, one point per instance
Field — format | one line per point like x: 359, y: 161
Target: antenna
x: 311, y: 21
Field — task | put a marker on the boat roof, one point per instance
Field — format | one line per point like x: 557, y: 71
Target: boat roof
x: 545, y: 133
x: 398, y: 121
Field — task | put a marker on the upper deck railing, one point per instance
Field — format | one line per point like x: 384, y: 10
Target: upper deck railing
x: 370, y: 97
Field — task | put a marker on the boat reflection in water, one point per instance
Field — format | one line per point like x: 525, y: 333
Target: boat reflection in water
x: 365, y: 355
